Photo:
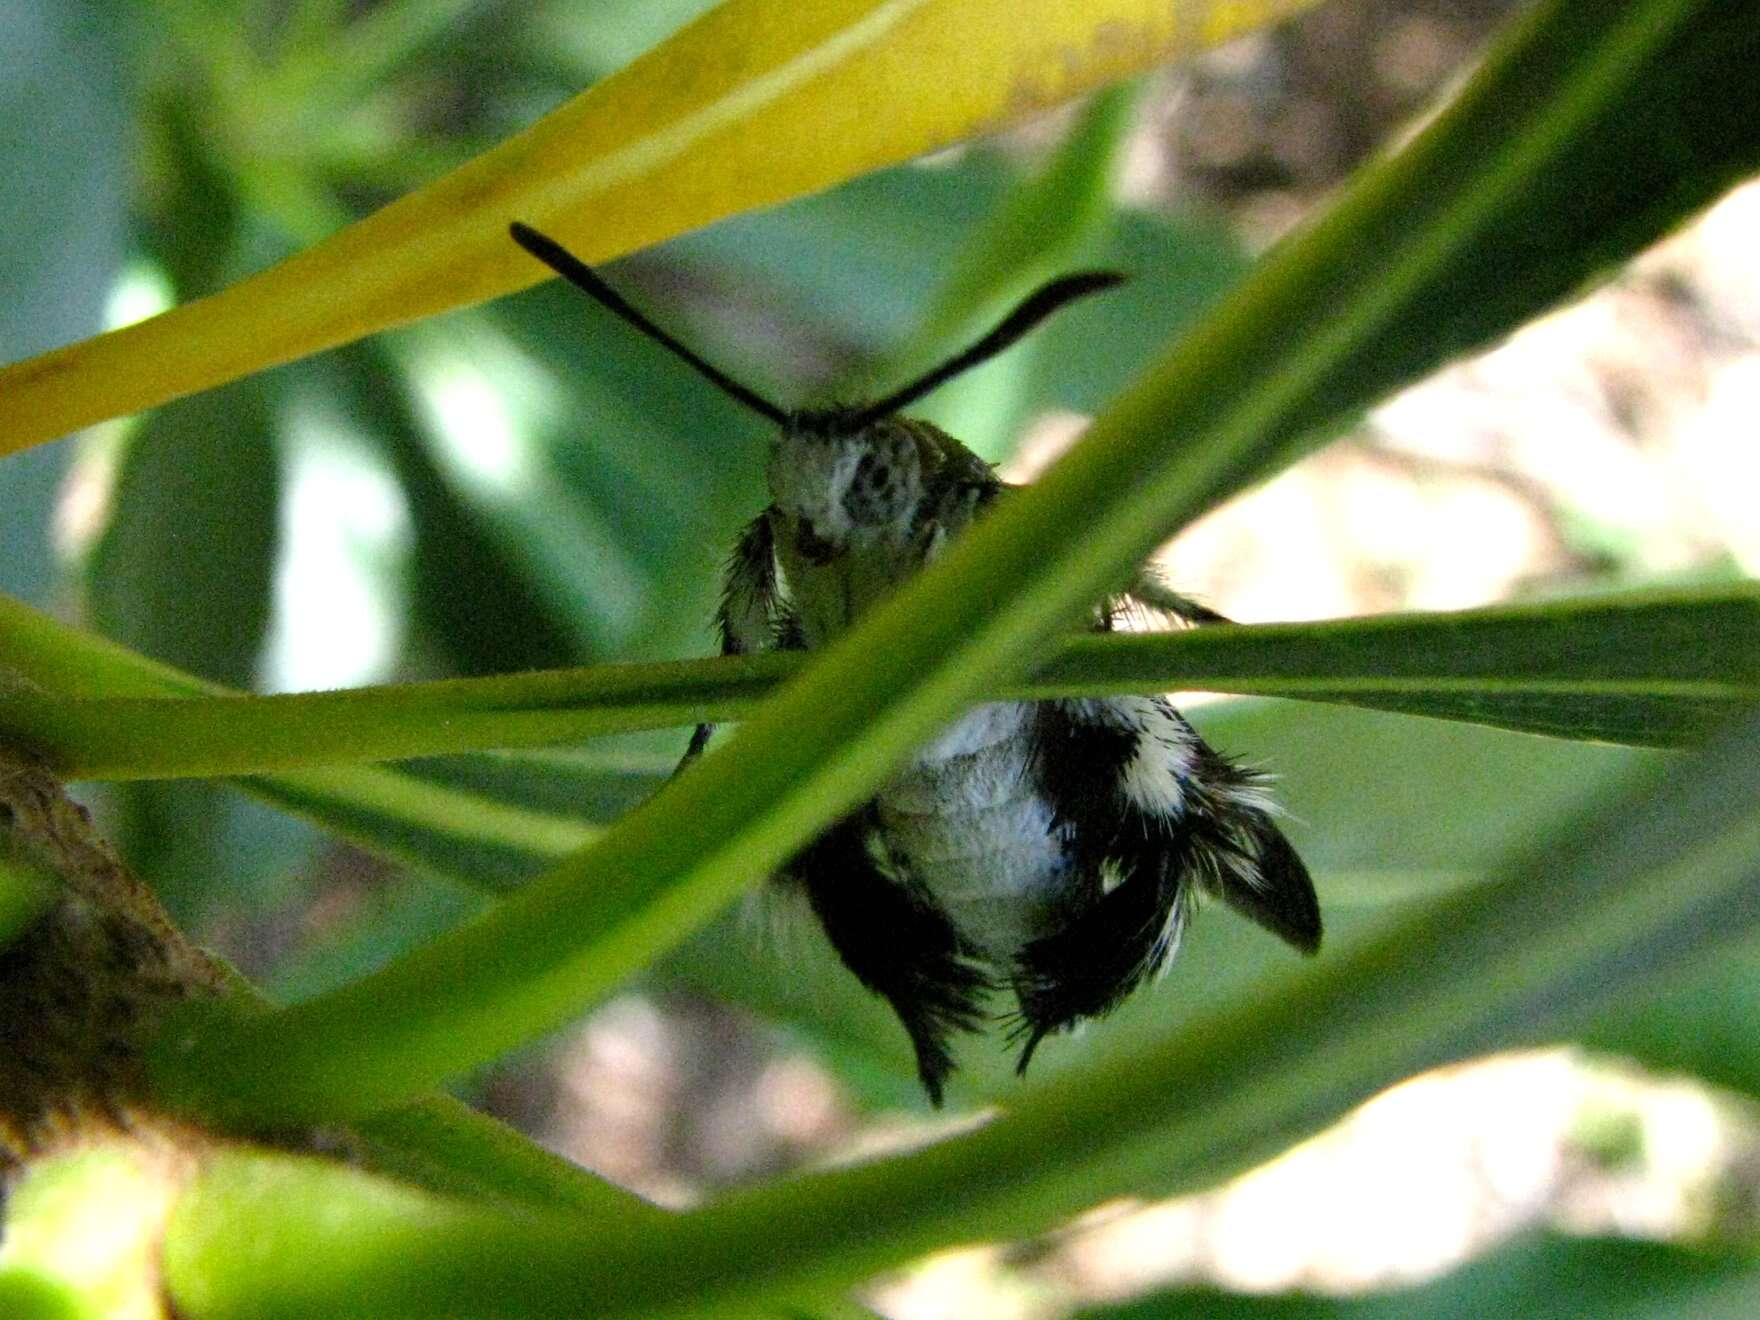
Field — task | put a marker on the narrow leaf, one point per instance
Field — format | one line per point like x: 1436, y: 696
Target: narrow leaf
x: 1653, y: 668
x: 1301, y: 345
x: 1701, y: 1022
x: 1665, y: 880
x: 1608, y: 1279
x: 755, y: 102
x: 482, y: 839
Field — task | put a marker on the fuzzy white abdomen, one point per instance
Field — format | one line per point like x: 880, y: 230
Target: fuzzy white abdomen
x: 966, y: 820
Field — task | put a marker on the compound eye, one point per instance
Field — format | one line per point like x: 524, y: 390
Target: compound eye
x: 872, y: 483
x: 882, y: 488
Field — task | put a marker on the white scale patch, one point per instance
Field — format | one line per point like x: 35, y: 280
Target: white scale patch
x: 982, y: 726
x: 966, y: 821
x: 807, y: 480
x: 1155, y: 777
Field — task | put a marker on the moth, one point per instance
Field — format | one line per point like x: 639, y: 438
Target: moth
x: 1053, y: 849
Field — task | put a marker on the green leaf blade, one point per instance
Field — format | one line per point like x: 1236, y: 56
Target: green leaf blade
x: 1650, y: 668
x: 1661, y: 881
x: 1236, y: 395
x: 1609, y: 1279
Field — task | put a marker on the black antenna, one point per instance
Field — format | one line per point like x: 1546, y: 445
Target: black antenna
x: 583, y: 277
x: 1039, y: 305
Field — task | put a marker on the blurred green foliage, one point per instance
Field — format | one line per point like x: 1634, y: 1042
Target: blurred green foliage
x: 519, y: 486
x: 526, y: 485
x: 1545, y: 1277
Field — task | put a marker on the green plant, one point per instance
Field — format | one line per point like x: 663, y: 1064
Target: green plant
x: 1588, y: 133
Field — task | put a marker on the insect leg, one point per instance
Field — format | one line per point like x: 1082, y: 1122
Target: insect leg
x: 1149, y: 588
x: 896, y: 940
x: 747, y: 615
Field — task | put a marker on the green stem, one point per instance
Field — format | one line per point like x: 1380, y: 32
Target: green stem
x: 1654, y: 668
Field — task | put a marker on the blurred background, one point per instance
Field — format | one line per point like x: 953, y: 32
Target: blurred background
x: 527, y: 484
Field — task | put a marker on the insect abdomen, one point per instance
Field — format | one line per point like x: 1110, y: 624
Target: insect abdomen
x: 967, y: 821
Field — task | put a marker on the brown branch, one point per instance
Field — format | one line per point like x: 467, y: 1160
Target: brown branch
x: 84, y: 986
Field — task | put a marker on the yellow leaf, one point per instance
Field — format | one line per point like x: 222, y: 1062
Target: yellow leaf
x: 756, y: 102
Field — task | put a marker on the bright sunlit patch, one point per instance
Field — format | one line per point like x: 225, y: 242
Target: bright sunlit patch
x: 1719, y: 460
x: 345, y: 540
x: 83, y: 509
x: 86, y: 1225
x: 482, y: 407
x: 468, y: 412
x: 140, y: 291
x: 487, y: 410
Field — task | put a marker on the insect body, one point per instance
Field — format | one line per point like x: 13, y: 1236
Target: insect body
x: 1053, y: 849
